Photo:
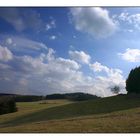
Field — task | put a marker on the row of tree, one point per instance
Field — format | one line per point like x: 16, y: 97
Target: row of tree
x: 27, y: 98
x: 78, y: 96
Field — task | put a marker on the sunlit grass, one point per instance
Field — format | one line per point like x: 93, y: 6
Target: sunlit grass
x: 113, y: 114
x: 25, y: 108
x: 121, y: 121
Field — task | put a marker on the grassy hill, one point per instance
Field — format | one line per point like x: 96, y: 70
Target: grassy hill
x: 122, y: 108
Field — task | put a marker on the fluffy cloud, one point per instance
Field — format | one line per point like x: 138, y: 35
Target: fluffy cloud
x: 50, y: 56
x: 80, y: 56
x: 131, y: 55
x: 52, y: 74
x: 46, y: 73
x: 94, y: 21
x: 133, y: 20
x: 113, y: 76
x: 5, y: 54
x: 97, y: 67
x: 123, y: 16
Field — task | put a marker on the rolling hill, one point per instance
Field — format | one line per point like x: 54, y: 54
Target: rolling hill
x: 72, y: 111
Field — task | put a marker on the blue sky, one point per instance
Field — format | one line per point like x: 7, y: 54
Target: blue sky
x: 58, y: 50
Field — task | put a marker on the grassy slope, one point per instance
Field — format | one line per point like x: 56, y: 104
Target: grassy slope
x: 113, y: 114
x: 26, y: 108
x: 120, y: 121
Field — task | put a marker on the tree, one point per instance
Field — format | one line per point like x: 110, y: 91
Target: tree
x: 115, y: 89
x: 7, y: 105
x: 133, y: 81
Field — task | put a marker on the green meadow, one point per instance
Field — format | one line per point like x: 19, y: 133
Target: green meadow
x: 111, y: 114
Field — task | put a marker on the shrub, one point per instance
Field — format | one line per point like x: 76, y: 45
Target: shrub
x: 115, y: 89
x: 7, y: 105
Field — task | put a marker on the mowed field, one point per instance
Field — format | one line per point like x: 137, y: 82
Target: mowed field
x: 112, y: 114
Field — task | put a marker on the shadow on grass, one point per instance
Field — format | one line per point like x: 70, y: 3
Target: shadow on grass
x: 99, y: 106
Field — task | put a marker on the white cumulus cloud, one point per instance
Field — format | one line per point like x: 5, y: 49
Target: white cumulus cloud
x: 126, y: 18
x: 94, y: 21
x: 80, y: 56
x: 131, y: 55
x: 47, y: 73
x: 97, y: 67
x: 113, y: 76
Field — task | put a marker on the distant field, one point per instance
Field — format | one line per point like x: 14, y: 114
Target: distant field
x: 113, y: 114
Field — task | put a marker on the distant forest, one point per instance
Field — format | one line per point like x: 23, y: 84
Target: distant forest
x: 77, y: 96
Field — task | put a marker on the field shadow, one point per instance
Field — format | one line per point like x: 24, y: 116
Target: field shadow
x: 99, y: 106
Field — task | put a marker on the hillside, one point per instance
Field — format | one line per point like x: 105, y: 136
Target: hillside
x: 116, y: 122
x: 79, y: 109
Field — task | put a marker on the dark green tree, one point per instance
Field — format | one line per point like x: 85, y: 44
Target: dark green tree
x: 7, y: 105
x: 133, y: 81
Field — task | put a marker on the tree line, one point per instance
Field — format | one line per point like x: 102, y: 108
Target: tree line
x: 77, y: 96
